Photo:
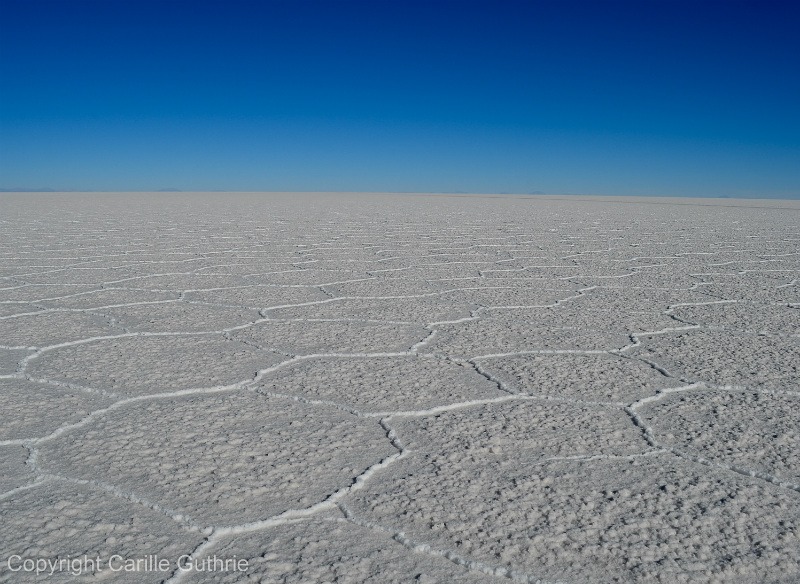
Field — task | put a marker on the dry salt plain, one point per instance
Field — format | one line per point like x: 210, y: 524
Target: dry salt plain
x: 401, y: 388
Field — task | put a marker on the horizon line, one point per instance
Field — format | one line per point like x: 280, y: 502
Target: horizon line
x: 535, y: 194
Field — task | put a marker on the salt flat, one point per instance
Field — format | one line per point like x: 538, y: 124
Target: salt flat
x: 400, y: 388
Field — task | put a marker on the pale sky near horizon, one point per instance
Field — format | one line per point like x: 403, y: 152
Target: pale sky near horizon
x: 660, y: 97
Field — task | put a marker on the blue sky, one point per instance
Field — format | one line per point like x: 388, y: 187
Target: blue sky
x: 606, y: 97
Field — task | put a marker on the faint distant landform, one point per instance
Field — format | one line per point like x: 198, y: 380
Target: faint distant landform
x: 49, y: 190
x: 28, y: 190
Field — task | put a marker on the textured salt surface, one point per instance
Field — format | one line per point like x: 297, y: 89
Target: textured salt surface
x: 352, y: 388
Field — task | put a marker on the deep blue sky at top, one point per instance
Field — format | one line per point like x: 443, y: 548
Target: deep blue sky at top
x: 608, y: 97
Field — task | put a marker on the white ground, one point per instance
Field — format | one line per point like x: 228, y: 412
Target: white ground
x: 383, y: 389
